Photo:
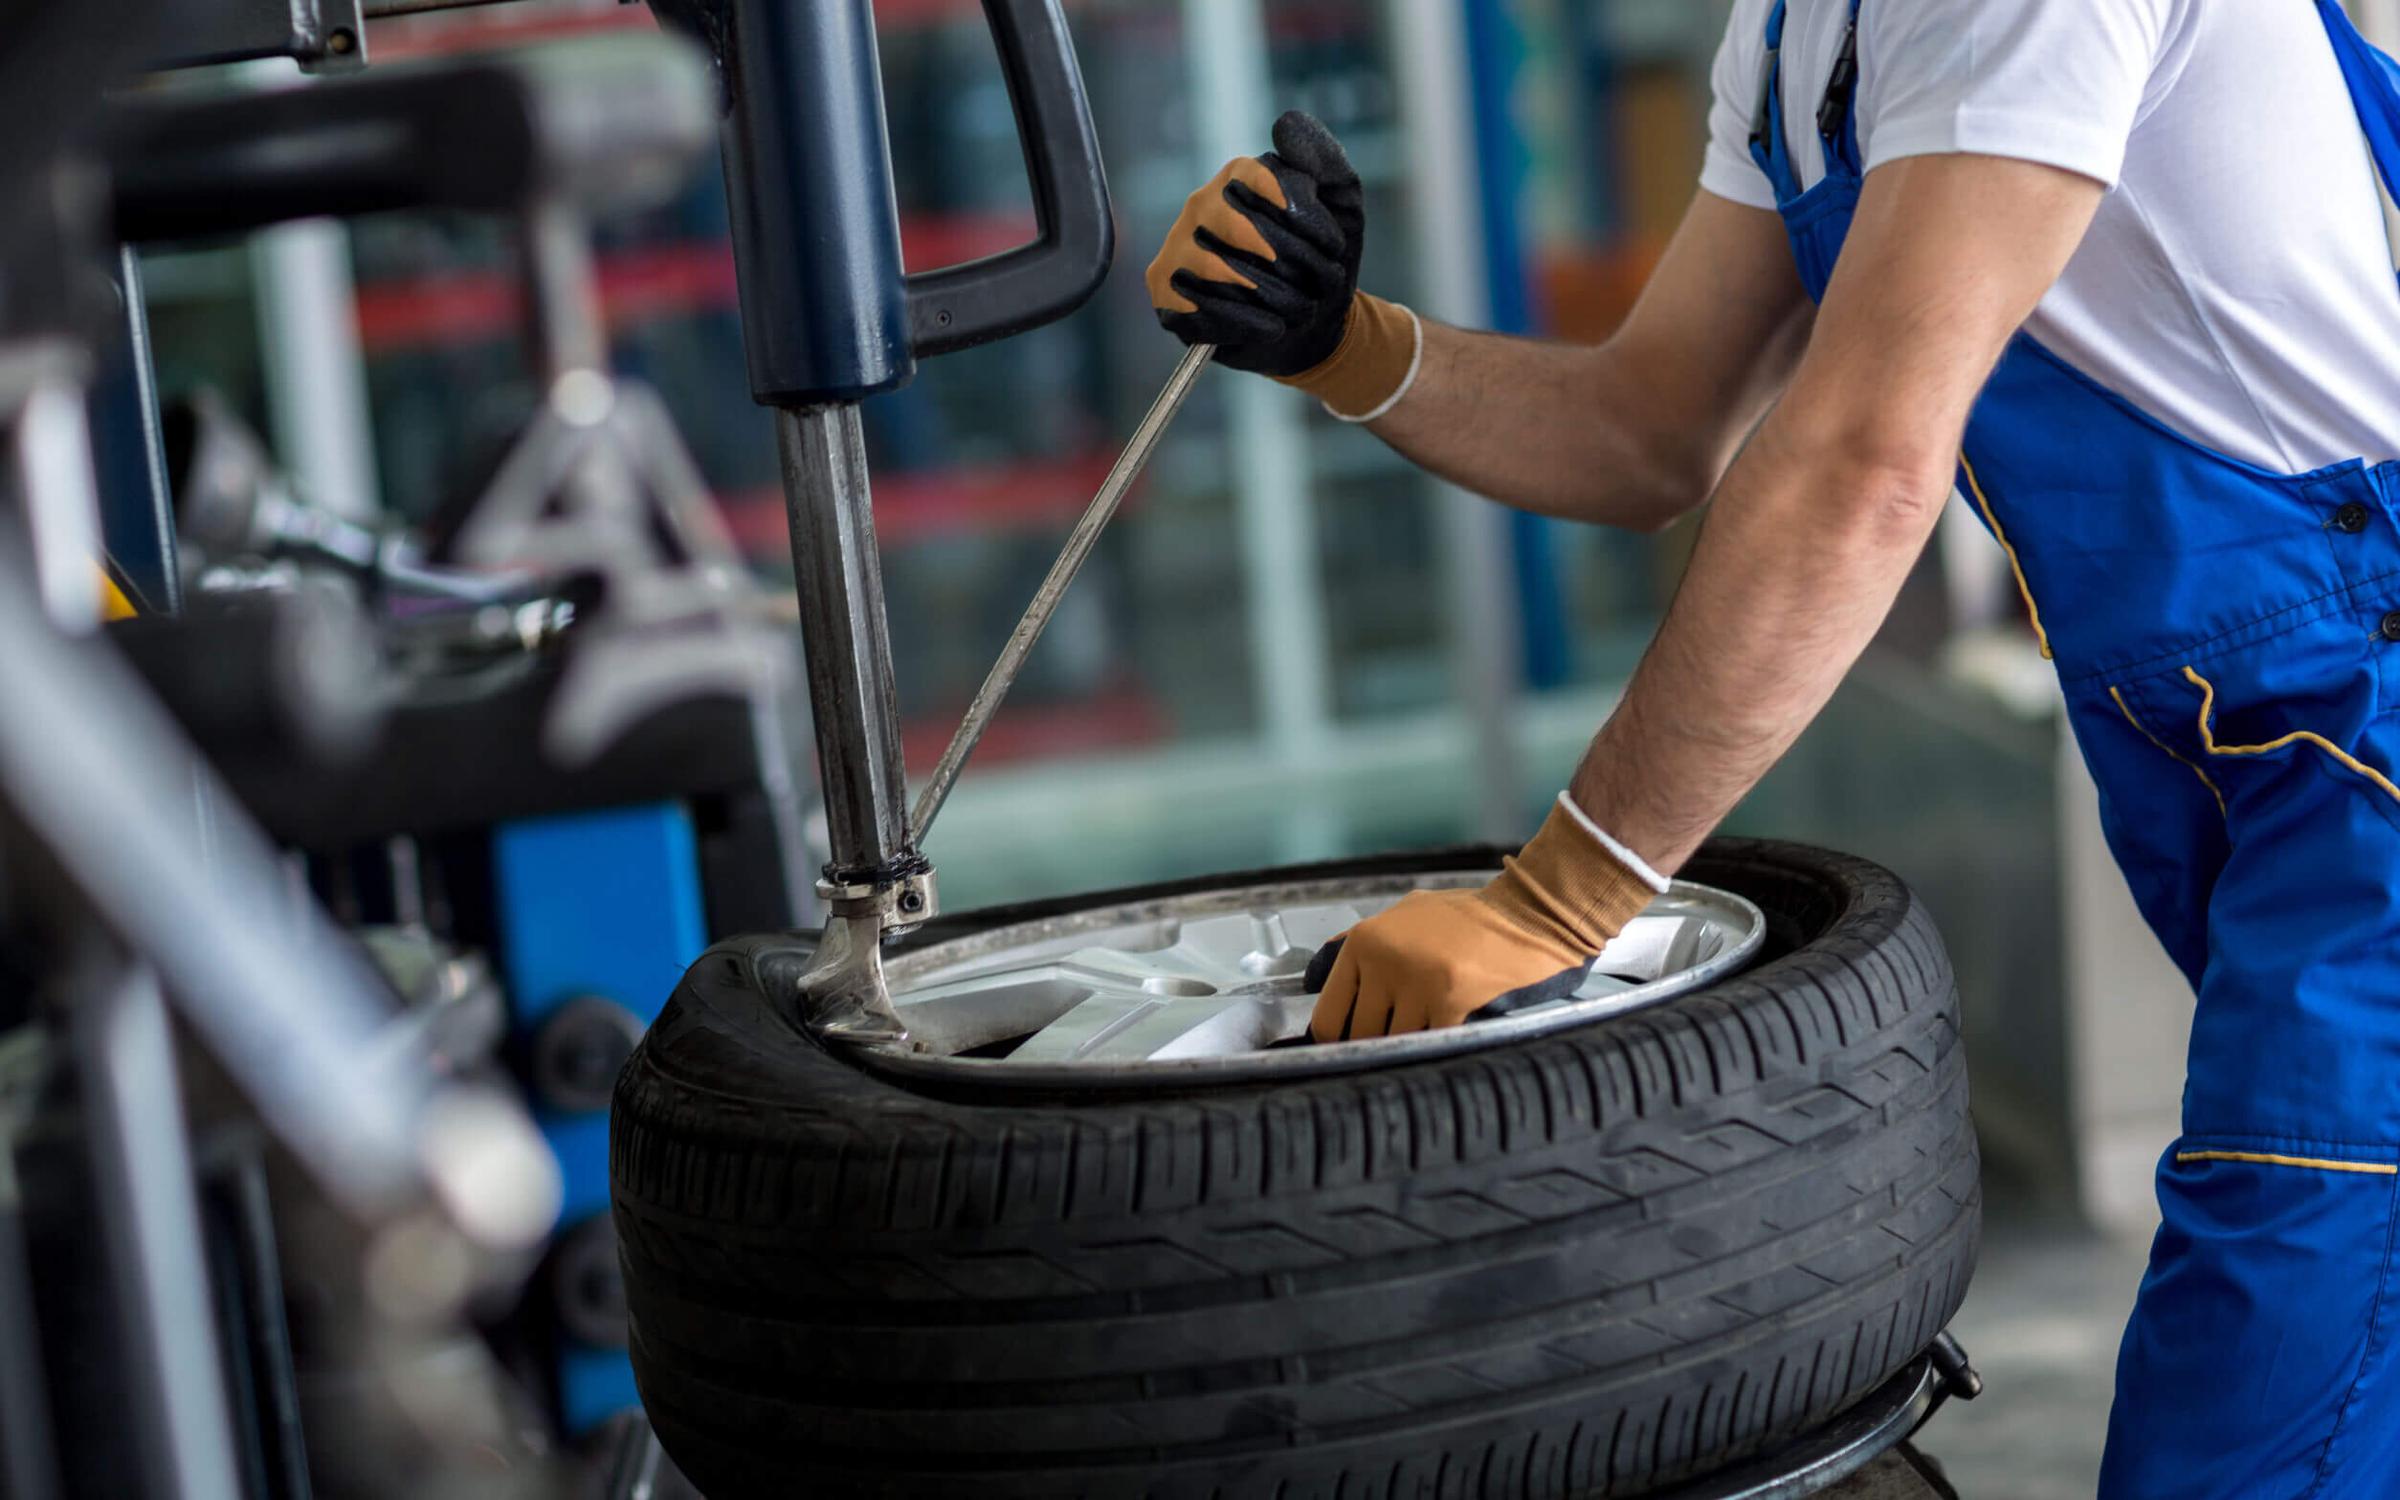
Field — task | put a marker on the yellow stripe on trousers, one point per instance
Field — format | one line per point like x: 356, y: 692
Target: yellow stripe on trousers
x: 2313, y: 1163
x: 2208, y: 739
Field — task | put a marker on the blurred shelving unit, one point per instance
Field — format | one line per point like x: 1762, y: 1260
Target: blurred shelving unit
x: 1290, y: 645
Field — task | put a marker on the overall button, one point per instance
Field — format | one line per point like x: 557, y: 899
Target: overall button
x: 2391, y: 626
x: 2351, y: 518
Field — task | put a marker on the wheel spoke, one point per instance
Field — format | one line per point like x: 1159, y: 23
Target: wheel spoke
x: 1121, y: 1027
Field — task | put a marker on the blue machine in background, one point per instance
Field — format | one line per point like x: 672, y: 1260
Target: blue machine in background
x: 599, y: 914
x: 1495, y: 57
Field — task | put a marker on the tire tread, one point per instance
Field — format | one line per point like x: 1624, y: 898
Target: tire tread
x: 1753, y: 1204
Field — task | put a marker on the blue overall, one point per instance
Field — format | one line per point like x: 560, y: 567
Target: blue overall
x: 2229, y: 642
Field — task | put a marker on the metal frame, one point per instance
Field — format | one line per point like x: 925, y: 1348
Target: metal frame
x: 1267, y: 447
x: 1445, y: 213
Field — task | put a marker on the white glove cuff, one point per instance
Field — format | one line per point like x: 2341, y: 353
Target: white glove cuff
x: 1631, y: 861
x: 1416, y: 362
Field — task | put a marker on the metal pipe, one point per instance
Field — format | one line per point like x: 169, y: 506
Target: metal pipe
x: 316, y: 374
x: 1429, y: 37
x: 1267, y: 447
x: 566, y: 329
x: 1071, y: 559
x: 846, y: 642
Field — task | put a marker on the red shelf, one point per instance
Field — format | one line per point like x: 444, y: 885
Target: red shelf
x: 895, y: 15
x: 931, y: 241
x: 468, y: 307
x: 447, y: 34
x: 636, y: 285
x: 943, y: 502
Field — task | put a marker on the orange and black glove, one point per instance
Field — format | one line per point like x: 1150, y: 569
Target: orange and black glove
x: 1263, y: 264
x: 1437, y: 958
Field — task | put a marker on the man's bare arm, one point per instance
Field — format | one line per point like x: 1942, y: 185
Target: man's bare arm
x: 1817, y: 524
x: 1634, y: 432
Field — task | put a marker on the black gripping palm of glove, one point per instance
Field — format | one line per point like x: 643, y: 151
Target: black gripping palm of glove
x: 1561, y: 986
x: 1293, y: 319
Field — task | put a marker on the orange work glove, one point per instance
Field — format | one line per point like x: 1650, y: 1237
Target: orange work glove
x: 1437, y: 957
x: 1263, y: 264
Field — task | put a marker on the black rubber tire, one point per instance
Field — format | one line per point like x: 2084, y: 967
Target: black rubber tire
x: 1589, y: 1265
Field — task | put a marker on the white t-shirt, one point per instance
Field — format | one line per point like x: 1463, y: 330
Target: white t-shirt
x: 2237, y: 283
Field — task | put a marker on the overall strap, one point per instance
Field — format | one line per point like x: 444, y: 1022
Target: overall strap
x: 1837, y: 117
x: 2374, y: 81
x: 1770, y: 147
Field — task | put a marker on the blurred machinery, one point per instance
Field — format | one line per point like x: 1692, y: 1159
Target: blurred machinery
x: 319, y: 1117
x: 407, y: 832
x: 579, y: 766
x: 338, y: 879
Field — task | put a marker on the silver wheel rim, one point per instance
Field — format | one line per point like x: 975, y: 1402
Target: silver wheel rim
x: 1207, y: 986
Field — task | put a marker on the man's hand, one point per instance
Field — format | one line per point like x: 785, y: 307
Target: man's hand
x: 1263, y: 263
x: 1438, y: 957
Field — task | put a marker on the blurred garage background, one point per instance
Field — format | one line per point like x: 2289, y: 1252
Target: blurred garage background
x: 1295, y: 646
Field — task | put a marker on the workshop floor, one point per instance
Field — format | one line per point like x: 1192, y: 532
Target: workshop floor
x: 2041, y: 1323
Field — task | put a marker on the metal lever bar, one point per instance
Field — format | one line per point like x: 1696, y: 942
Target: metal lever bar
x: 1071, y: 559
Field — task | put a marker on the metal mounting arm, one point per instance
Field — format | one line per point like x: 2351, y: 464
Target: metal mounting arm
x: 829, y: 318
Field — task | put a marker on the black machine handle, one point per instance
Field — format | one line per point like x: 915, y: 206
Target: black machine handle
x: 958, y: 307
x: 827, y: 314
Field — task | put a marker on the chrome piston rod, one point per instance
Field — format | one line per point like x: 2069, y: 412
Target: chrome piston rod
x: 1071, y: 559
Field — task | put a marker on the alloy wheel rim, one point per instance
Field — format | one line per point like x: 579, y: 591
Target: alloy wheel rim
x: 1207, y: 986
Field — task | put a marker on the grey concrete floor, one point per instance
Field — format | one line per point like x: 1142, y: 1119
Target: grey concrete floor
x: 2041, y: 1323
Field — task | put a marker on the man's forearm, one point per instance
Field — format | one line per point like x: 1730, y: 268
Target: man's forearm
x: 1800, y: 561
x: 1543, y: 427
x: 1634, y: 432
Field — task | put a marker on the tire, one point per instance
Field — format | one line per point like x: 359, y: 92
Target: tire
x: 1595, y: 1264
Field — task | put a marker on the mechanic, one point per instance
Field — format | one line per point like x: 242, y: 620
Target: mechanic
x: 2120, y: 273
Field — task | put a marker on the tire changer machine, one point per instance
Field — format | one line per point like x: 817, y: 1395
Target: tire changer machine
x: 335, y: 884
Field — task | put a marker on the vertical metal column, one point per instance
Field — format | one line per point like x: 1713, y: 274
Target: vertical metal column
x: 562, y: 292
x: 1429, y: 52
x: 315, y: 371
x: 1273, y: 510
x: 846, y: 642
